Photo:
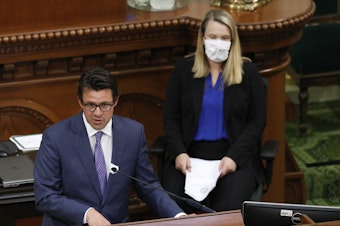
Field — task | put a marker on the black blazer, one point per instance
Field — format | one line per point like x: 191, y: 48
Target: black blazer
x: 245, y: 108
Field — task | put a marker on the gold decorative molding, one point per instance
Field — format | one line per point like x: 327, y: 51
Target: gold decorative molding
x: 279, y: 25
x: 248, y: 5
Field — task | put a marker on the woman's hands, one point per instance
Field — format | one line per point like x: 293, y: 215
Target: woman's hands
x: 182, y: 163
x: 227, y: 165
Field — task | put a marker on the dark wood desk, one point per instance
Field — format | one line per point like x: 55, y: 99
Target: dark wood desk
x: 228, y: 218
x: 17, y: 206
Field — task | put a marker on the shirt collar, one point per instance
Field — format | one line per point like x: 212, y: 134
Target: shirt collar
x: 91, y: 131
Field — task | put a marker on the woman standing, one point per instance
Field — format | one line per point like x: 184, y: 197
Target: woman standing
x: 215, y: 109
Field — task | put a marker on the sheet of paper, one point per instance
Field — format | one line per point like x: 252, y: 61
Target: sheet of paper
x: 25, y: 143
x: 202, y: 178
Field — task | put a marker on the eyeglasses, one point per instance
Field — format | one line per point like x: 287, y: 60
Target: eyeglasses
x: 103, y: 107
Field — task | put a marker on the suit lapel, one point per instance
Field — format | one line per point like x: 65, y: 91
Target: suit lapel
x: 197, y: 95
x: 85, y: 154
x: 118, y: 148
x: 117, y: 135
x: 229, y: 99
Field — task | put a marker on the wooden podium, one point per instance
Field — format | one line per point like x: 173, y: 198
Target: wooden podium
x: 227, y: 218
x: 45, y: 45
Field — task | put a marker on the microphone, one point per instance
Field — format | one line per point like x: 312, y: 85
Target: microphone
x: 191, y: 202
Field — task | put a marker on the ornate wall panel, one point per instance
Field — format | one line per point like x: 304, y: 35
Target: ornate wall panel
x: 18, y: 116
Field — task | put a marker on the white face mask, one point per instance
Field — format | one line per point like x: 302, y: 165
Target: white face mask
x: 217, y: 50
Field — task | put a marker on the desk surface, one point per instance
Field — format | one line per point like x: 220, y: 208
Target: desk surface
x: 230, y: 218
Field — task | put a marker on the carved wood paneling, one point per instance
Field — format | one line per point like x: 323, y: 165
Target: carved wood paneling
x: 144, y: 108
x: 18, y: 116
x: 115, y: 61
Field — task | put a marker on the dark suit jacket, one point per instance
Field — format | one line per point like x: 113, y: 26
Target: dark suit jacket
x: 66, y: 182
x: 245, y: 107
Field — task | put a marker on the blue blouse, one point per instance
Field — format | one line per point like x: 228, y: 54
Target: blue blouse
x: 211, y: 124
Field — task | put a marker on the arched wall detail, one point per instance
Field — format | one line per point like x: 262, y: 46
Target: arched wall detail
x: 24, y: 116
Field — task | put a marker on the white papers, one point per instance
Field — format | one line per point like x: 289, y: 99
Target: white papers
x: 202, y: 178
x: 25, y: 143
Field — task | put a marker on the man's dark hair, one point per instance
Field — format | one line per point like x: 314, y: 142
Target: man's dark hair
x: 97, y: 79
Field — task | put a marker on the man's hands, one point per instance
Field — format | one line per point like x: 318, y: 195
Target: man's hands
x: 227, y: 165
x: 94, y: 218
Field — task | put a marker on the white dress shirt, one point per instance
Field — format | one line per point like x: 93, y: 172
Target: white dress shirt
x: 106, y: 141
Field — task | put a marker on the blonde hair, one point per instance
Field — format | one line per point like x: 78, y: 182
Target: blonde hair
x: 232, y: 68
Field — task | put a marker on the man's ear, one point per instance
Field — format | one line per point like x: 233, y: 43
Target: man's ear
x: 80, y: 103
x: 116, y: 101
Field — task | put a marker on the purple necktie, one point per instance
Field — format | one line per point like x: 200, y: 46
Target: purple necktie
x: 100, y: 161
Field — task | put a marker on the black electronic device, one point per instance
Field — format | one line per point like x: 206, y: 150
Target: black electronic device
x: 16, y: 170
x: 7, y: 148
x: 284, y: 214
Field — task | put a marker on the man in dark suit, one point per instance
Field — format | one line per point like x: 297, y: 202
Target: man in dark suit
x: 70, y: 188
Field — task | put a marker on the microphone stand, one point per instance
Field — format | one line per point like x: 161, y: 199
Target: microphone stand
x: 190, y: 202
